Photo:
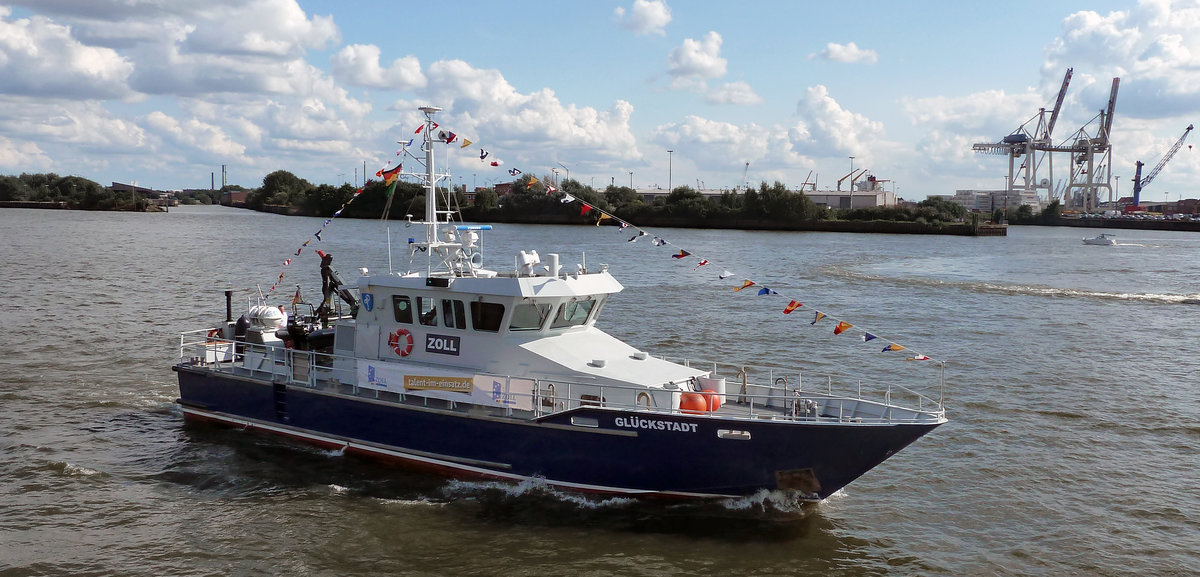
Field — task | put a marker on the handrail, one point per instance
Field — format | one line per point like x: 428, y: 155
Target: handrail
x: 740, y: 369
x: 309, y: 369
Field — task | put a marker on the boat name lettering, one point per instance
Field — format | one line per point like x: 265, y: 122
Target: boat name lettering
x: 654, y: 424
x: 441, y: 344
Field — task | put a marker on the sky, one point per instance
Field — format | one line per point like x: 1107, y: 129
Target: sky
x: 165, y: 92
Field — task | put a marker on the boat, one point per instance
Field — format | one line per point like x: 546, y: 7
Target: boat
x: 1104, y: 239
x: 502, y: 374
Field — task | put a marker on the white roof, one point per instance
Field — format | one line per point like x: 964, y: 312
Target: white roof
x: 576, y: 351
x: 526, y: 286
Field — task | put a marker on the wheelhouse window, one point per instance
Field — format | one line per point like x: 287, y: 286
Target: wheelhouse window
x: 573, y: 313
x: 453, y: 314
x: 528, y: 317
x: 402, y: 309
x: 427, y: 311
x: 486, y: 316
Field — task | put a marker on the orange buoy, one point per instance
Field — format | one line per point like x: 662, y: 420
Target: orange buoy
x: 712, y: 400
x: 693, y: 403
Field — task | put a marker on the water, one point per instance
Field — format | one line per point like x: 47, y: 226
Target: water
x: 1071, y: 387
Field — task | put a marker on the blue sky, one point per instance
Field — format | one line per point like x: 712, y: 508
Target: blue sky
x: 163, y: 92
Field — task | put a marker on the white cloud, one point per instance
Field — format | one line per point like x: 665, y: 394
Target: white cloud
x: 454, y: 80
x: 847, y: 53
x: 195, y: 134
x: 1153, y: 47
x: 40, y: 58
x: 23, y: 156
x: 82, y: 124
x: 358, y: 64
x: 711, y: 141
x: 833, y: 127
x: 537, y: 124
x: 719, y: 150
x: 695, y: 61
x: 646, y: 17
x: 993, y: 113
x: 734, y: 93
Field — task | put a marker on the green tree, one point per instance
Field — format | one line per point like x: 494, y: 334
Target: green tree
x: 622, y: 197
x: 731, y: 200
x: 283, y: 187
x: 946, y: 209
x: 13, y: 188
x: 486, y: 200
x: 325, y: 199
x: 1052, y: 212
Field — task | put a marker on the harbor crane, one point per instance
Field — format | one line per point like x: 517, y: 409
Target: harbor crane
x: 808, y: 185
x: 1092, y: 158
x: 1090, y: 150
x: 853, y: 176
x: 1022, y: 143
x: 1139, y: 183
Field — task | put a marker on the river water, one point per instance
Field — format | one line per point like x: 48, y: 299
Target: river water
x: 1071, y: 385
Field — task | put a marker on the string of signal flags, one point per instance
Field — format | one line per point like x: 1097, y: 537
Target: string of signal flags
x: 316, y: 235
x: 391, y: 175
x: 840, y: 326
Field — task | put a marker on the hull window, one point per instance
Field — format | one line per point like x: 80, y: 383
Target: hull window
x: 573, y: 314
x: 402, y: 308
x: 453, y: 314
x: 528, y: 317
x: 486, y: 316
x: 427, y: 310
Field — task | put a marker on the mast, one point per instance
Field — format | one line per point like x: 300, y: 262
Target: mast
x: 431, y: 218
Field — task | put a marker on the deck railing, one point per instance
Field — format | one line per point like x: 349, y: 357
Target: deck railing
x: 784, y: 396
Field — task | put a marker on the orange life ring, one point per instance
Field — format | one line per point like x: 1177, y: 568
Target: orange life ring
x: 402, y: 348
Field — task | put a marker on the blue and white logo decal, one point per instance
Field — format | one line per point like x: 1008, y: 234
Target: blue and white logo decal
x: 368, y: 301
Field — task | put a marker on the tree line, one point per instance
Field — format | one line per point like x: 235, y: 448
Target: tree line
x: 530, y: 197
x: 526, y: 198
x: 75, y: 191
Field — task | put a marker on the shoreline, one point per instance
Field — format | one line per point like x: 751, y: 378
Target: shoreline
x: 878, y: 227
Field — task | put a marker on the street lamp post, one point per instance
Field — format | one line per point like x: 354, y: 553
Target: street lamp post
x: 670, y: 158
x: 568, y: 177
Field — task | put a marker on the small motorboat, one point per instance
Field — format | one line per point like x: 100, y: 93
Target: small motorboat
x: 1104, y: 239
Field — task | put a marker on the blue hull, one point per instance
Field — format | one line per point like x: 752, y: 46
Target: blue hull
x: 587, y: 448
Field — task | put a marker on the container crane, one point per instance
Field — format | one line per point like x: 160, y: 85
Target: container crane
x: 1062, y: 93
x: 1023, y: 143
x: 1139, y: 183
x: 1090, y: 155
